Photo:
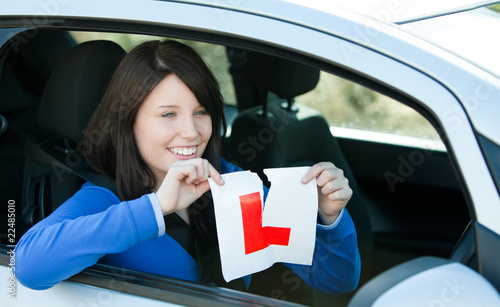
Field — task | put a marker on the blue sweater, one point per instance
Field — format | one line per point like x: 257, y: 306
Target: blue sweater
x: 94, y: 225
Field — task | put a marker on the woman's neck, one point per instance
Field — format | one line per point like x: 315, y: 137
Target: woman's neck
x: 184, y: 215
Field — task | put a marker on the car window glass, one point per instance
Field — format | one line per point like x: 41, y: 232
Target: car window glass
x: 349, y: 105
x: 214, y: 55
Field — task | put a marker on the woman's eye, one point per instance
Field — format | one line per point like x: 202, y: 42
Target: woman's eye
x: 168, y: 115
x: 201, y: 113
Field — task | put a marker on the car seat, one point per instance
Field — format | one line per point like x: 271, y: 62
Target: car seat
x: 26, y: 62
x: 71, y: 95
x: 278, y: 134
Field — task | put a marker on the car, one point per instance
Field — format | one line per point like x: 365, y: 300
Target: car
x: 403, y: 96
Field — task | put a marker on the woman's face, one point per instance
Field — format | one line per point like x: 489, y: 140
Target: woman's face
x: 171, y: 125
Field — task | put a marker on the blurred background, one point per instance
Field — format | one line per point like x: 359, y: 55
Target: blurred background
x: 343, y: 103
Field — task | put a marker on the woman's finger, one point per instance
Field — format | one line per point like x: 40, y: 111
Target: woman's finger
x: 215, y: 175
x: 201, y: 170
x: 343, y: 194
x: 191, y: 175
x: 334, y: 185
x: 328, y: 175
x: 315, y: 171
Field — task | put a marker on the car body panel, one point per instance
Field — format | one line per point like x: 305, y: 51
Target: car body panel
x: 446, y: 283
x: 103, y: 285
x: 70, y: 293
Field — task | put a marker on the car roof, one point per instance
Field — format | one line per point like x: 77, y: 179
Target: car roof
x: 441, y: 23
x: 400, y: 11
x: 396, y: 11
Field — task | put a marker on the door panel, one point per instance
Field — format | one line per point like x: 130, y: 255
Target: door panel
x: 416, y: 205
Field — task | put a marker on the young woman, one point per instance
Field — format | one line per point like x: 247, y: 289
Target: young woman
x: 160, y: 125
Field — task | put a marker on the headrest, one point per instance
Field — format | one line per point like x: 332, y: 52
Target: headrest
x: 76, y: 87
x: 285, y: 78
x: 41, y: 53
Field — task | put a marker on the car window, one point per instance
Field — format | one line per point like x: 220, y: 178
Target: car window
x: 214, y: 55
x: 343, y: 103
x: 346, y: 104
x: 414, y: 204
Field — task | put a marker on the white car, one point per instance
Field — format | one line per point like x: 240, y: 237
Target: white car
x: 404, y: 96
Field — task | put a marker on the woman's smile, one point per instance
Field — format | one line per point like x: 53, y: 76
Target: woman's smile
x: 184, y: 152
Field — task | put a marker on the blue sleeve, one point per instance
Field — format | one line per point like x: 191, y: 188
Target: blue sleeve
x: 86, y: 227
x: 336, y: 263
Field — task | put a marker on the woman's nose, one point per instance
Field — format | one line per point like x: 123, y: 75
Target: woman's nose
x: 188, y: 129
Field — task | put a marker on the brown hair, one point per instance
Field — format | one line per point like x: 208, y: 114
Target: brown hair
x: 110, y: 134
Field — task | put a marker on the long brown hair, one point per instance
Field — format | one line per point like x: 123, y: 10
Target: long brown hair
x: 110, y: 134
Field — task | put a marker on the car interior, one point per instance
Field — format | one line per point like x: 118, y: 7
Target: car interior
x: 407, y: 202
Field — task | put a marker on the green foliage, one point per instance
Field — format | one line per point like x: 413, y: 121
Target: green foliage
x: 495, y: 7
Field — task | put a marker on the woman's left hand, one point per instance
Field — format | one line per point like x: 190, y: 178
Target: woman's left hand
x: 333, y: 190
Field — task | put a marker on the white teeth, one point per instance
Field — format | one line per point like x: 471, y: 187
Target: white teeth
x: 186, y: 151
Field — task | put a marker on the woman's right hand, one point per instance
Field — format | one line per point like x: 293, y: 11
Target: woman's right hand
x: 184, y: 183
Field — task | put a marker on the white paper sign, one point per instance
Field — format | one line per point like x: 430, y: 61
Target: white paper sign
x: 251, y: 240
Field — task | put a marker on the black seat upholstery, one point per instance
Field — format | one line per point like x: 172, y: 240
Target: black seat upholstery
x: 71, y: 95
x: 26, y: 63
x: 286, y: 136
x: 260, y: 135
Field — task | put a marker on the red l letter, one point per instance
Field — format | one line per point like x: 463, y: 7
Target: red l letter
x: 256, y: 236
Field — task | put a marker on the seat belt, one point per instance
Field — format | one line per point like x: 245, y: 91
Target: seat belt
x: 14, y: 141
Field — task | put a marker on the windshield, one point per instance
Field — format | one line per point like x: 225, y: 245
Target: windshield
x: 469, y: 34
